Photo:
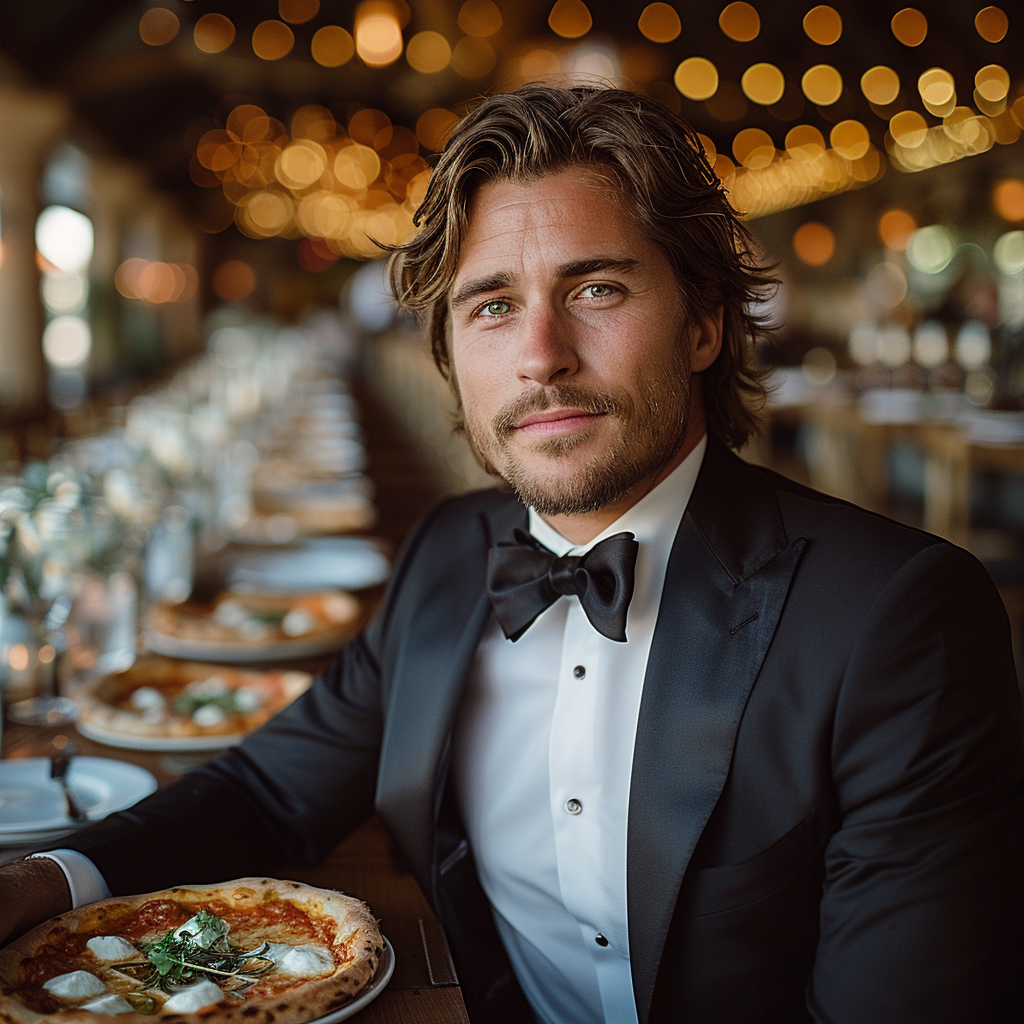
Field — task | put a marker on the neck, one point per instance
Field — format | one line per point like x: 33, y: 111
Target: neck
x: 580, y: 529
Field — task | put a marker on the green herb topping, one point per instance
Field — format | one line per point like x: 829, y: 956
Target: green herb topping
x: 195, y: 950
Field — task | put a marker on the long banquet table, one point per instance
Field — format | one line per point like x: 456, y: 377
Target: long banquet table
x: 424, y: 988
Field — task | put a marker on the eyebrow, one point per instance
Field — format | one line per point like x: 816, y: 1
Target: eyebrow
x: 575, y: 268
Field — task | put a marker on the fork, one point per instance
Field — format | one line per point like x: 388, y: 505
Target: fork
x: 60, y: 761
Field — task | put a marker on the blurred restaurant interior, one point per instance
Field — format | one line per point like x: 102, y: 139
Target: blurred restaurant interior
x: 199, y: 352
x: 215, y: 430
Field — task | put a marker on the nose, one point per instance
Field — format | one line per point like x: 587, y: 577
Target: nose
x: 547, y: 350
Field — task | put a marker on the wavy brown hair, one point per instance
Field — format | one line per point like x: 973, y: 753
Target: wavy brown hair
x: 658, y: 164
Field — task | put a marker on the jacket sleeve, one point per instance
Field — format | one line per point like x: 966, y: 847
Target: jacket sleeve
x: 289, y: 793
x: 922, y: 902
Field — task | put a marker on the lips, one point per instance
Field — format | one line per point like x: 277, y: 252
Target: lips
x: 556, y: 421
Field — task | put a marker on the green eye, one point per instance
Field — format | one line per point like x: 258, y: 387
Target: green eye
x: 599, y: 291
x: 497, y: 308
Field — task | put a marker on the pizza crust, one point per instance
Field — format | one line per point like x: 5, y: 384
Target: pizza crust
x: 357, y: 947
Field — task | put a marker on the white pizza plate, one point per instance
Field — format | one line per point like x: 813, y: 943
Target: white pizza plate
x: 245, y: 653
x: 348, y: 563
x: 32, y: 805
x: 157, y: 743
x: 378, y: 983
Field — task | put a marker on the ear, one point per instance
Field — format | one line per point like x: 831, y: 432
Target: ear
x: 705, y: 341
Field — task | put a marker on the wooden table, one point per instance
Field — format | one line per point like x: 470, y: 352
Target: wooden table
x: 424, y: 988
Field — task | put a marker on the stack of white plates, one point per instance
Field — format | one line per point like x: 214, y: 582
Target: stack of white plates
x: 32, y: 808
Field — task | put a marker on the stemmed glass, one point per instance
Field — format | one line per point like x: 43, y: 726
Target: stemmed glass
x: 50, y: 546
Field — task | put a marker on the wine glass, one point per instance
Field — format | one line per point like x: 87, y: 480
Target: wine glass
x: 50, y: 545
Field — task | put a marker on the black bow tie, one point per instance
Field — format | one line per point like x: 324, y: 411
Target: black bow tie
x: 524, y: 578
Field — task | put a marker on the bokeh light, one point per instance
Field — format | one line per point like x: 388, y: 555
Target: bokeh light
x: 992, y: 83
x: 753, y: 148
x: 272, y: 40
x: 740, y: 22
x: 158, y: 26
x: 895, y: 228
x: 696, y: 78
x: 298, y: 12
x: 234, y: 281
x: 819, y: 365
x: 1008, y: 252
x: 1008, y: 199
x: 850, y: 139
x: 822, y: 85
x: 213, y: 33
x: 930, y: 249
x: 660, y: 23
x: 428, y: 52
x: 973, y: 346
x: 332, y: 46
x: 992, y: 24
x: 938, y: 91
x: 570, y: 19
x: 66, y: 341
x: 908, y: 128
x: 931, y: 345
x: 814, y: 243
x: 910, y: 26
x: 479, y: 18
x: 880, y: 85
x: 894, y: 346
x: 763, y: 84
x: 64, y: 237
x: 804, y: 143
x: 823, y: 25
x: 378, y: 34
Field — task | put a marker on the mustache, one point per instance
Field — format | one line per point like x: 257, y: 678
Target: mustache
x: 571, y: 396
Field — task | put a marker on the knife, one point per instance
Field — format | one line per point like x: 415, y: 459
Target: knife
x: 60, y: 761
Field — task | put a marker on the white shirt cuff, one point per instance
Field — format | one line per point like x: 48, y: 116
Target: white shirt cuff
x: 86, y: 883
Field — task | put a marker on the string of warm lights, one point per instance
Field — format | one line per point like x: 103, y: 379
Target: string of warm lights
x: 346, y: 185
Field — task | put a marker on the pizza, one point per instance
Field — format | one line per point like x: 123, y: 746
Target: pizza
x: 249, y: 951
x: 162, y: 698
x: 240, y: 626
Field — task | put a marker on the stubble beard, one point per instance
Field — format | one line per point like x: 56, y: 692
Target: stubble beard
x: 651, y: 431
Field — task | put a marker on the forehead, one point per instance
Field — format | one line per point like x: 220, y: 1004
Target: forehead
x: 571, y: 212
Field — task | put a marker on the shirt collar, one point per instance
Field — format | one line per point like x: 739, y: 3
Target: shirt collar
x: 655, y: 517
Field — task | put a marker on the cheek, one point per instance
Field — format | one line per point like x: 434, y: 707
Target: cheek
x: 479, y: 380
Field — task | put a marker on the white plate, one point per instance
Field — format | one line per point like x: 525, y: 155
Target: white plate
x: 247, y: 653
x: 126, y: 742
x: 378, y: 983
x: 346, y: 563
x: 32, y: 804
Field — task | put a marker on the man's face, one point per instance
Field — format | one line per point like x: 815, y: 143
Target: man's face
x: 570, y: 347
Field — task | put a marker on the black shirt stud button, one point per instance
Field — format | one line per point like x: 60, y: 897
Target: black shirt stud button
x: 600, y: 939
x: 579, y: 671
x: 573, y: 806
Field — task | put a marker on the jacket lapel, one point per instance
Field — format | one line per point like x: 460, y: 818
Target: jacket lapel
x: 725, y: 586
x: 440, y: 639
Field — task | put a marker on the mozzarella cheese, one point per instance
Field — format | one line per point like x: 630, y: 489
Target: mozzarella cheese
x: 309, y: 961
x: 76, y: 985
x: 111, y: 947
x: 109, y: 1004
x: 195, y: 997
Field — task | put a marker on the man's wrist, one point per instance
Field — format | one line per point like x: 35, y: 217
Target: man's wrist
x: 31, y: 891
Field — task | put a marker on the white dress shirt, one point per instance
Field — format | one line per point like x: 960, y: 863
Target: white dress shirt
x: 543, y: 753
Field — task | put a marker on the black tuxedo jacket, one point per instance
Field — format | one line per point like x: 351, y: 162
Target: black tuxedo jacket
x: 826, y: 797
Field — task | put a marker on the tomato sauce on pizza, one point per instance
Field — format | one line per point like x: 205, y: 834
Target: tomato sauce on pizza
x: 256, y: 950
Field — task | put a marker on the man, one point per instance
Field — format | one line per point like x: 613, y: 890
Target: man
x: 664, y: 737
